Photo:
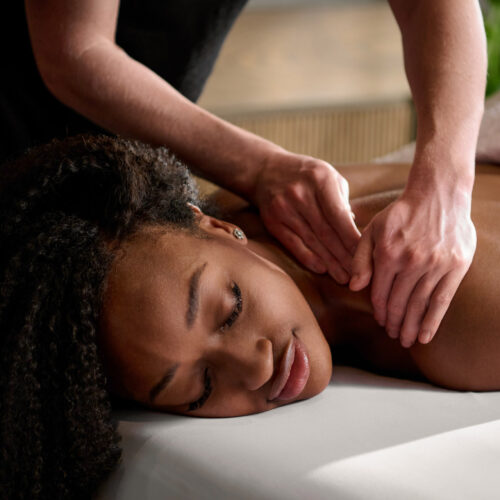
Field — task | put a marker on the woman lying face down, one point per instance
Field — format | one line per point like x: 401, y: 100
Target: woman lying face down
x: 116, y: 278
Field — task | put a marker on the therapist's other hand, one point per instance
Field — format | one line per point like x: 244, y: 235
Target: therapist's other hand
x: 416, y: 251
x: 304, y: 203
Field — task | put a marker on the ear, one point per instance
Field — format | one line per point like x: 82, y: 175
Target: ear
x: 216, y: 227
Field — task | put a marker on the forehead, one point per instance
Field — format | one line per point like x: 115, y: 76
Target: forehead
x: 151, y: 271
x: 146, y: 299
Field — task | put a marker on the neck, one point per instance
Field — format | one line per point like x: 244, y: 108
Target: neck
x: 339, y: 311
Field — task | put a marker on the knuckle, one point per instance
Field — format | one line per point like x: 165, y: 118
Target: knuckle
x: 316, y: 174
x: 386, y: 252
x: 277, y: 204
x: 338, y: 211
x: 378, y: 302
x: 442, y: 298
x: 435, y: 259
x: 295, y: 192
x: 324, y: 234
x: 418, y: 304
x: 458, y: 259
x: 313, y: 170
x: 396, y: 310
x: 309, y: 239
x: 289, y: 241
x: 414, y: 258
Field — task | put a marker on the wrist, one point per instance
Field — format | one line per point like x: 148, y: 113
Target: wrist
x: 439, y: 165
x: 444, y: 190
x: 267, y: 170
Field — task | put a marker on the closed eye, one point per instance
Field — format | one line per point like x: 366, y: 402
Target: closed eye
x: 238, y: 306
x: 207, y: 382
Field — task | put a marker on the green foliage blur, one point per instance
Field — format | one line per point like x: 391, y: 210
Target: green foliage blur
x: 492, y: 27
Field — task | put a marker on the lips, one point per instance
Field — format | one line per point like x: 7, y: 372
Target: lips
x: 293, y: 372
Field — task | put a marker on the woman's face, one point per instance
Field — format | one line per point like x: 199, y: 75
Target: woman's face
x: 207, y: 327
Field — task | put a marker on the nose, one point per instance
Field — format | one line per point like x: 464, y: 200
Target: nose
x: 250, y: 365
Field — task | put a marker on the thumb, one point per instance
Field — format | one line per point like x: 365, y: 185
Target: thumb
x: 362, y: 266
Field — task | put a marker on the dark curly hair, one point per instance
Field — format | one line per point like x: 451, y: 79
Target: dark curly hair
x: 60, y: 206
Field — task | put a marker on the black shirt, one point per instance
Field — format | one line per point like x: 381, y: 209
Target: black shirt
x: 178, y: 39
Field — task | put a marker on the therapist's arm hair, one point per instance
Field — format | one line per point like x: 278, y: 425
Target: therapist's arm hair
x: 445, y: 60
x: 82, y: 66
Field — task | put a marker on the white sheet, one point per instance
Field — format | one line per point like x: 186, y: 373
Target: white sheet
x: 364, y: 437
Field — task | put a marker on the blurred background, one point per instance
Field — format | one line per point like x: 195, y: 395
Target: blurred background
x: 323, y: 77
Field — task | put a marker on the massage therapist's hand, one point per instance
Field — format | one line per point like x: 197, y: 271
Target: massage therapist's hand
x: 416, y: 251
x: 304, y: 203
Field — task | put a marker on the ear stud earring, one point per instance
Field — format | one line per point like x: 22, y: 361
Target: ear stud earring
x: 238, y: 233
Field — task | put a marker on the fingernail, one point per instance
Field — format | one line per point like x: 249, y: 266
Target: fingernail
x: 406, y: 343
x: 393, y: 334
x: 425, y: 337
x: 318, y: 267
x: 340, y: 276
x: 355, y: 281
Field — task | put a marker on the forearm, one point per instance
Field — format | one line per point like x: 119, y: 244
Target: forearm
x: 120, y: 94
x: 445, y: 61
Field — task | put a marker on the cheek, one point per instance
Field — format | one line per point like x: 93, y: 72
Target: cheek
x: 233, y: 403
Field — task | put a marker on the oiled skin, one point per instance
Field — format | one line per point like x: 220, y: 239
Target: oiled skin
x: 465, y: 353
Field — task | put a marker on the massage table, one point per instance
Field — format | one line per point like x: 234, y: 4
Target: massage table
x: 364, y: 437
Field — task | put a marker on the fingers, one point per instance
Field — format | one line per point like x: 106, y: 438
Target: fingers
x: 324, y: 233
x: 439, y: 303
x: 337, y: 211
x: 311, y: 199
x: 382, y: 282
x: 308, y: 240
x: 362, y: 264
x: 414, y: 309
x: 303, y: 253
x: 301, y: 214
x: 425, y: 308
x: 405, y: 284
x: 294, y: 244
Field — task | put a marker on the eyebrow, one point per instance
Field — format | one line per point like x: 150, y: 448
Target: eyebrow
x: 193, y: 297
x: 163, y: 382
x: 193, y: 301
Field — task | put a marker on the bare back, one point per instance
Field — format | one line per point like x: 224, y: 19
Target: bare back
x: 465, y: 353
